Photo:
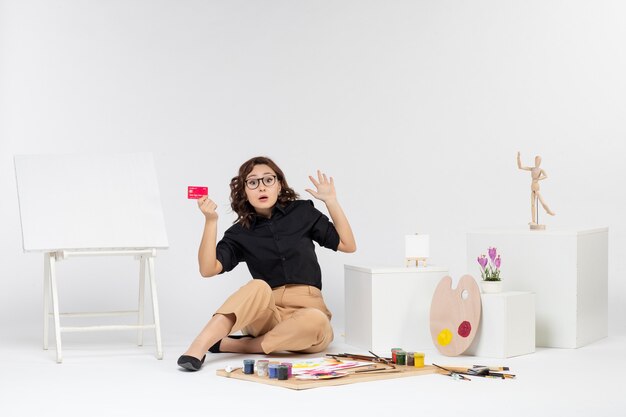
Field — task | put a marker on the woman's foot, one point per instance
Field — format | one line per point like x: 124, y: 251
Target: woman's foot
x: 191, y: 363
x: 225, y: 345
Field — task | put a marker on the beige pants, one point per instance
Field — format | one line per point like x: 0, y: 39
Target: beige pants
x: 292, y: 317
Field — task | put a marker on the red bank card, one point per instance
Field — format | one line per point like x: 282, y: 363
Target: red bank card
x: 197, y: 192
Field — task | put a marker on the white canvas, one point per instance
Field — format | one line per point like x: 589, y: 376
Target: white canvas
x: 416, y: 246
x: 89, y: 202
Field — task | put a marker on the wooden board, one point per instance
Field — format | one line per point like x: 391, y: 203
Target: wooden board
x: 298, y: 384
x: 455, y: 315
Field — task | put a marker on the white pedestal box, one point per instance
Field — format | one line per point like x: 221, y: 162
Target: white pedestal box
x: 566, y: 269
x: 507, y: 325
x: 390, y: 307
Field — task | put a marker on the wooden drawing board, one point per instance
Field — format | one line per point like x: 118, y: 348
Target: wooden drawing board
x: 89, y: 202
x: 455, y: 315
x: 298, y: 384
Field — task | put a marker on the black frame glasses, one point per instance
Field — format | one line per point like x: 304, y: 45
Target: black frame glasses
x: 253, y: 183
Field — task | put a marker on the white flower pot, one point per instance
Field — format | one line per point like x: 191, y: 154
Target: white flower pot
x: 491, y: 287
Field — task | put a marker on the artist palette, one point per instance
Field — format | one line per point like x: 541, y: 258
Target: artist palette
x: 455, y: 315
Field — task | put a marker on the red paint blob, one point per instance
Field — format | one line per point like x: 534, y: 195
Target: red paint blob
x: 465, y: 329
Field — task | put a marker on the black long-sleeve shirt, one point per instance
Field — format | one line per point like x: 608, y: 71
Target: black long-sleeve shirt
x: 280, y: 250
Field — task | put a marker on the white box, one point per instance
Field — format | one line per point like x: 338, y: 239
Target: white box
x: 507, y: 325
x: 390, y: 307
x: 566, y: 269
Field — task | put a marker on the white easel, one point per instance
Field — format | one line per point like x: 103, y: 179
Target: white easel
x: 416, y: 249
x: 146, y: 265
x: 85, y: 206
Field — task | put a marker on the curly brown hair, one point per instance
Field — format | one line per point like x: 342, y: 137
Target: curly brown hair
x: 238, y: 201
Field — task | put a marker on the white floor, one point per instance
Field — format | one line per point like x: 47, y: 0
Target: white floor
x: 99, y: 378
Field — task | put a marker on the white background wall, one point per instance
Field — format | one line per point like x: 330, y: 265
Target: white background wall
x: 416, y: 107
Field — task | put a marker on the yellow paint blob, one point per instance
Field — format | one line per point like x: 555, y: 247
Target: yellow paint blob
x: 445, y: 337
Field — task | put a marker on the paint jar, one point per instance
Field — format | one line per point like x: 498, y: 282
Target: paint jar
x: 273, y: 370
x: 248, y: 366
x: 261, y: 367
x: 282, y: 372
x: 400, y: 357
x: 289, y: 368
x: 419, y: 359
x: 393, y: 354
x: 410, y: 358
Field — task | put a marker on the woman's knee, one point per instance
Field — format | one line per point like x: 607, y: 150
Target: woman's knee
x: 259, y: 285
x: 256, y: 288
x: 316, y: 323
x: 313, y: 319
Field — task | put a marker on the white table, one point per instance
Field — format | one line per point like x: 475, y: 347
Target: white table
x: 390, y: 307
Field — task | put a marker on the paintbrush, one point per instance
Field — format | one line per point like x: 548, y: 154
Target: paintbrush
x: 378, y: 370
x: 479, y: 371
x: 455, y: 375
x: 493, y: 368
x: 357, y: 356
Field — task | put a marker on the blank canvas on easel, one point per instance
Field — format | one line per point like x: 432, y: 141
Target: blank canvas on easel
x: 89, y: 201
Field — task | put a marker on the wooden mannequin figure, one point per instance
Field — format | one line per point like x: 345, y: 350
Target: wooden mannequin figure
x: 537, y: 174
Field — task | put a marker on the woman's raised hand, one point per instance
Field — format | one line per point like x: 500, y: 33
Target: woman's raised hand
x: 207, y: 207
x: 325, y: 187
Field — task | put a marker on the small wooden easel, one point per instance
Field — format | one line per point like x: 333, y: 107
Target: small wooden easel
x: 409, y: 261
x: 416, y: 249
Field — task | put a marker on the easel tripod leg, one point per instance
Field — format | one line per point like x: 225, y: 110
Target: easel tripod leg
x: 55, y: 307
x: 155, y: 308
x: 46, y: 298
x: 142, y: 287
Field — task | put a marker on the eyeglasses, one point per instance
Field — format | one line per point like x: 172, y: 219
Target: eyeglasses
x: 268, y: 181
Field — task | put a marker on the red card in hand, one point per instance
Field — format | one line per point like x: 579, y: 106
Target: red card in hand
x: 197, y: 192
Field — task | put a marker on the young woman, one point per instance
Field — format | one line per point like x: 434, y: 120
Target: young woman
x: 282, y: 308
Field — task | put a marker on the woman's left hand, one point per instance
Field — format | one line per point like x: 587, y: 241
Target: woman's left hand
x: 325, y: 187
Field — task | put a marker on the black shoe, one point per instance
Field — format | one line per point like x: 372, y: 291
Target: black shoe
x: 191, y: 363
x: 216, y: 347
